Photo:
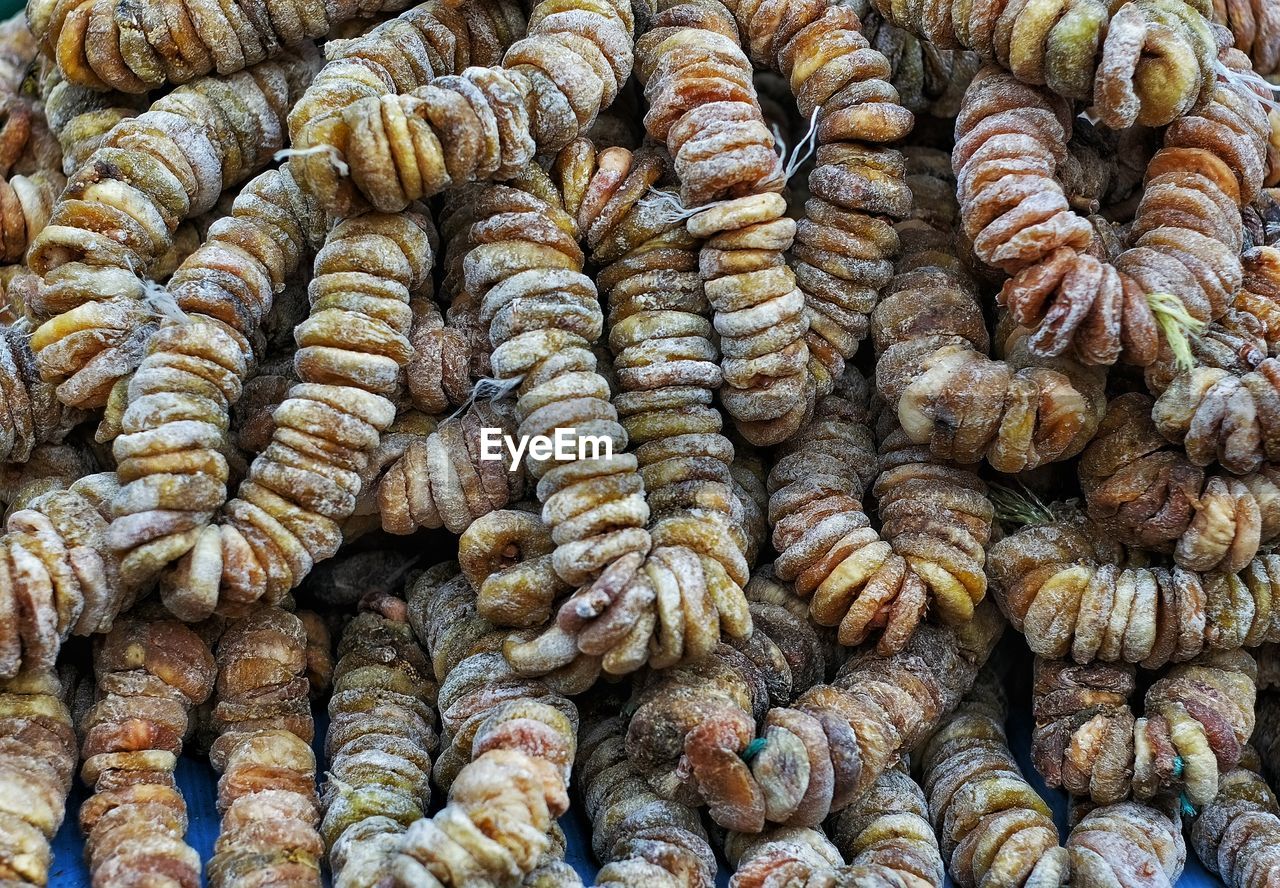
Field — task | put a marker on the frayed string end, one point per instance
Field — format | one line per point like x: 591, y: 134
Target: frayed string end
x: 1258, y: 86
x: 162, y: 304
x: 1022, y: 508
x: 668, y: 208
x: 487, y: 389
x: 1178, y: 325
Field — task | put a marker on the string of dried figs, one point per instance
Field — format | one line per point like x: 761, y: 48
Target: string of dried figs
x: 542, y: 315
x: 1127, y: 841
x: 438, y: 375
x: 508, y: 746
x: 886, y: 839
x: 57, y: 577
x: 661, y: 337
x: 1142, y: 62
x: 850, y: 731
x: 121, y: 208
x: 227, y: 288
x: 381, y: 735
x: 692, y: 722
x: 993, y: 827
x: 1196, y: 719
x: 1237, y: 835
x: 639, y: 837
x: 267, y: 791
x: 134, y: 49
x: 442, y: 478
x: 855, y: 577
x: 30, y: 180
x: 1074, y: 591
x: 81, y: 118
x: 458, y: 212
x: 251, y: 425
x: 483, y: 123
x: 37, y: 766
x: 150, y: 674
x: 32, y: 414
x: 930, y: 81
x: 1259, y: 295
x: 937, y: 516
x: 887, y: 835
x: 1182, y: 264
x: 351, y: 353
x: 844, y: 242
x: 208, y: 231
x: 26, y: 204
x: 422, y: 487
x: 1221, y: 409
x: 703, y: 107
x: 507, y: 558
x: 434, y: 39
x: 466, y: 655
x: 1146, y: 493
x: 931, y: 345
x: 409, y: 426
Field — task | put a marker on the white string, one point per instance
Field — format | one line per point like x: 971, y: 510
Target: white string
x: 334, y: 155
x: 488, y: 389
x: 157, y: 297
x: 799, y: 157
x: 669, y: 208
x: 1251, y: 81
x: 162, y: 303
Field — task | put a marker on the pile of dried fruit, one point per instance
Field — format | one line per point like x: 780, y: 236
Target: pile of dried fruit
x: 519, y: 344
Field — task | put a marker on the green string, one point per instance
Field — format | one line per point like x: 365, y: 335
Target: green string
x: 753, y: 749
x: 1178, y: 326
x: 1177, y: 766
x: 1188, y: 809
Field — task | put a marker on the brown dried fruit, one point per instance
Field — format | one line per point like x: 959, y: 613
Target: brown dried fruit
x: 287, y: 513
x: 1197, y: 718
x: 638, y: 836
x: 388, y: 150
x: 381, y: 734
x: 931, y: 346
x: 57, y: 576
x: 135, y: 48
x: 993, y: 826
x: 267, y: 792
x: 37, y: 765
x: 1124, y: 842
x: 1148, y: 494
x: 120, y: 210
x: 150, y: 676
x: 877, y: 708
x: 1148, y: 63
x: 1237, y: 835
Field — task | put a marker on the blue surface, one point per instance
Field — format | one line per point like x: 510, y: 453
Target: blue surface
x: 199, y: 786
